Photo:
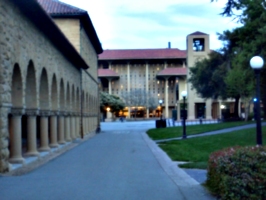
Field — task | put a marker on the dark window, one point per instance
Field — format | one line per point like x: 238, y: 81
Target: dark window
x: 198, y: 44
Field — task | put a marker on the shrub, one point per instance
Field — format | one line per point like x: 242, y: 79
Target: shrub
x: 238, y: 173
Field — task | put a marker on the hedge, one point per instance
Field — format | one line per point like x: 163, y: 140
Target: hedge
x: 238, y: 173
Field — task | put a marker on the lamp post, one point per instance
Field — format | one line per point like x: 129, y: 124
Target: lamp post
x: 184, y: 95
x: 256, y: 63
x: 161, y: 102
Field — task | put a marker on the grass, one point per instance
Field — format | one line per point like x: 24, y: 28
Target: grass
x: 172, y: 132
x: 196, y: 151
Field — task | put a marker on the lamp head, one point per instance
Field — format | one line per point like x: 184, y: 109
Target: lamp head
x: 160, y: 101
x: 184, y: 94
x: 108, y: 109
x: 256, y: 62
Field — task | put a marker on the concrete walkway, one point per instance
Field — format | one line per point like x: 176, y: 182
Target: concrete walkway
x: 120, y: 163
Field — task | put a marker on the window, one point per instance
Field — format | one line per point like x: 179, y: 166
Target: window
x: 198, y: 44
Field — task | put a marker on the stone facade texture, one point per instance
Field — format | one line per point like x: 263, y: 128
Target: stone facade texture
x: 37, y: 79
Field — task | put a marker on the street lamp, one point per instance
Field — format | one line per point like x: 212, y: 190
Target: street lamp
x: 184, y: 114
x: 161, y: 102
x: 256, y: 63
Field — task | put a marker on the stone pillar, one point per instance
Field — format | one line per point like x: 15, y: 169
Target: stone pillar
x: 67, y: 129
x: 109, y: 85
x: 208, y: 109
x: 128, y: 86
x: 31, y: 135
x: 73, y: 133
x: 184, y: 64
x: 166, y: 97
x: 147, y: 88
x: 15, y: 139
x: 77, y: 127
x: 53, y: 129
x: 61, y: 130
x: 44, y: 133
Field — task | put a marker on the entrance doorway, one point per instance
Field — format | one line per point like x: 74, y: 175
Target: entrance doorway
x: 200, y: 110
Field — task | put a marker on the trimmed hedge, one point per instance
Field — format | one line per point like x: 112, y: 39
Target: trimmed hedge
x: 238, y: 173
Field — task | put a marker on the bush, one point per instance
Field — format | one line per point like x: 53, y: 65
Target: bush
x: 238, y: 173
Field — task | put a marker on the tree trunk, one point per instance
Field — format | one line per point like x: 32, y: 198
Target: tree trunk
x: 236, y: 110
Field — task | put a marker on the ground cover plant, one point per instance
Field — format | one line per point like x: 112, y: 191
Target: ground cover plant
x: 172, y: 132
x: 197, y: 150
x: 238, y: 173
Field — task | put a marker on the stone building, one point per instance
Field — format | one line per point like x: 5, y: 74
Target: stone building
x: 49, y: 93
x: 161, y: 72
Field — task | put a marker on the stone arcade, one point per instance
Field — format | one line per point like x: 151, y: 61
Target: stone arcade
x: 48, y: 96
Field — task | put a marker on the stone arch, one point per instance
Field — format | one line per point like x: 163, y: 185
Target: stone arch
x: 62, y: 95
x: 17, y: 88
x: 87, y: 102
x: 54, y: 94
x: 83, y: 101
x: 73, y: 98
x: 44, y: 91
x: 78, y: 101
x: 68, y: 100
x: 31, y: 90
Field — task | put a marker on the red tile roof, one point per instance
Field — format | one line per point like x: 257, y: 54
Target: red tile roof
x: 173, y: 71
x: 57, y: 7
x: 107, y: 73
x: 124, y: 54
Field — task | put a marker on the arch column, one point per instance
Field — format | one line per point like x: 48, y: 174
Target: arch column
x: 44, y: 132
x: 15, y: 138
x: 72, y: 121
x: 53, y: 129
x: 31, y: 133
x: 77, y: 127
x: 61, y: 129
x: 208, y: 109
x: 67, y: 129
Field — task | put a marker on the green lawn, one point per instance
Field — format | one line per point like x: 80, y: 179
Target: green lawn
x: 172, y: 132
x: 197, y: 150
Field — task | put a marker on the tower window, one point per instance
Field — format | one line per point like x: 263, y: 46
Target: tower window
x: 198, y: 44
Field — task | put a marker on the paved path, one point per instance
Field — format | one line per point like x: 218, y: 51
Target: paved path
x: 120, y: 163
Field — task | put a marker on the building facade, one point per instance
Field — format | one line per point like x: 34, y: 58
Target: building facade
x: 46, y: 98
x: 163, y: 73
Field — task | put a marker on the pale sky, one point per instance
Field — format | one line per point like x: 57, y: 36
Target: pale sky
x: 148, y: 24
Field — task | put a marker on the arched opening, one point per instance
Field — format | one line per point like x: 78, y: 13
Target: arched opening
x: 31, y: 94
x: 68, y: 100
x: 44, y: 92
x: 62, y: 95
x: 54, y: 95
x: 78, y: 101
x: 73, y: 99
x: 17, y: 88
x: 87, y: 103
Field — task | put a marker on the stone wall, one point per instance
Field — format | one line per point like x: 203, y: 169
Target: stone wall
x: 88, y: 53
x: 34, y: 75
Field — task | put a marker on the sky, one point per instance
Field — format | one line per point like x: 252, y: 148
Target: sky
x: 149, y: 24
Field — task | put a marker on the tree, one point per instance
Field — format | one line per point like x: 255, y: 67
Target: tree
x: 207, y: 76
x: 138, y: 97
x: 251, y: 36
x: 113, y: 102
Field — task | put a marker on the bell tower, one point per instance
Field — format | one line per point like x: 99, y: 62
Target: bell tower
x: 197, y: 48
